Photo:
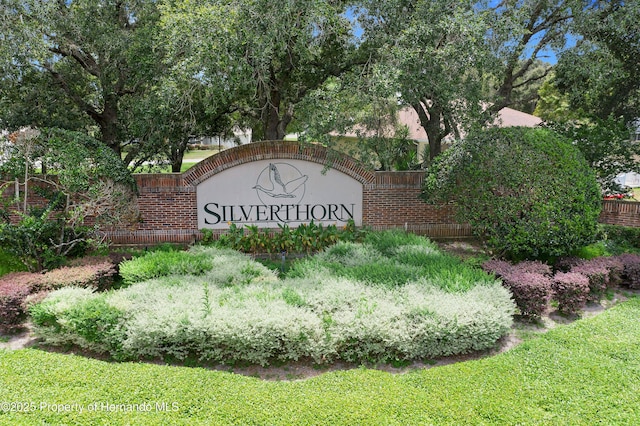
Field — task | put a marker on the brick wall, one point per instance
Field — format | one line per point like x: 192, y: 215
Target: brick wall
x: 168, y: 210
x: 390, y: 199
x: 625, y: 213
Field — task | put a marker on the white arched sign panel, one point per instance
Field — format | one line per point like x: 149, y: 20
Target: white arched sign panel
x: 279, y: 191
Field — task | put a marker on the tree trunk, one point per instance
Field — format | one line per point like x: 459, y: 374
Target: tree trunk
x: 108, y: 123
x: 271, y: 117
x: 177, y: 155
x: 176, y: 165
x: 430, y: 119
x: 275, y: 122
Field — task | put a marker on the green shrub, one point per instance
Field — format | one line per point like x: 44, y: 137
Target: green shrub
x: 325, y: 319
x: 84, y: 182
x: 621, y: 239
x: 239, y: 312
x: 78, y: 316
x: 605, y: 145
x: 94, y: 320
x: 592, y: 251
x: 10, y: 263
x: 528, y: 192
x: 390, y: 259
x: 164, y: 263
x: 30, y: 240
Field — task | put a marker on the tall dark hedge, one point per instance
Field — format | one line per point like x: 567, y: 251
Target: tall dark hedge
x: 527, y: 191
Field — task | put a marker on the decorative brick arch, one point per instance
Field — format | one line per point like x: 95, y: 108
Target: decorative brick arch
x: 268, y: 150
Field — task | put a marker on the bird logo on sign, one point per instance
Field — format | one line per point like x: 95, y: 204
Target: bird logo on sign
x: 287, y: 182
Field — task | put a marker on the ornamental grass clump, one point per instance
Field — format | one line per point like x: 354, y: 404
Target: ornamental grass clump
x: 392, y: 259
x: 571, y: 290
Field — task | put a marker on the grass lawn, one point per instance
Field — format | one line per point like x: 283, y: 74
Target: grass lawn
x: 587, y: 372
x: 190, y: 159
x: 167, y: 169
x: 199, y: 154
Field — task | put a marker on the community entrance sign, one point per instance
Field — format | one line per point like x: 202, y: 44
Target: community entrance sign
x: 266, y: 193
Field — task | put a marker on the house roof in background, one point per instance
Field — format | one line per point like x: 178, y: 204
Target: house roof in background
x: 507, y: 117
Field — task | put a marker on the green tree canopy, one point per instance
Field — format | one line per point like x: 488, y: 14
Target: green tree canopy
x: 606, y: 145
x: 600, y: 74
x: 261, y: 55
x: 88, y: 57
x: 438, y: 49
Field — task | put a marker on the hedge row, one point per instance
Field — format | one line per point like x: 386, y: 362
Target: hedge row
x: 575, y: 282
x: 239, y: 311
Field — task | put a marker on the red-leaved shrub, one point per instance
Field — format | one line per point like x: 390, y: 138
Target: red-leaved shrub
x: 12, y: 296
x: 614, y: 266
x: 570, y: 290
x: 497, y: 267
x: 533, y: 266
x: 631, y: 269
x: 531, y: 292
x: 15, y: 287
x: 98, y: 275
x: 598, y: 276
x: 30, y: 280
x: 565, y: 263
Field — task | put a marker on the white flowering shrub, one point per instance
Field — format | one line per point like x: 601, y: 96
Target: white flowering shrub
x: 240, y: 312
